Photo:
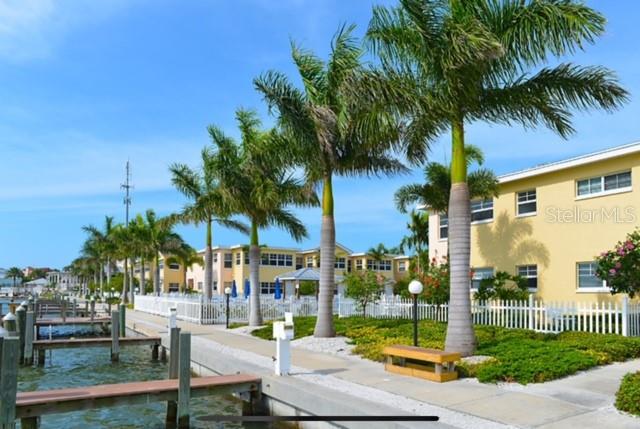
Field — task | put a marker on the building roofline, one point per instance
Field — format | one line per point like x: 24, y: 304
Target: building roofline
x: 576, y: 161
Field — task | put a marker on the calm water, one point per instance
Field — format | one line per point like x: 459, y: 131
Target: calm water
x: 82, y: 367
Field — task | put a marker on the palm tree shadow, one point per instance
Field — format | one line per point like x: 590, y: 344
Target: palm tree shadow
x: 506, y: 243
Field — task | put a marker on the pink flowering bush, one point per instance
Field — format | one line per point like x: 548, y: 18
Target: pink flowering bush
x: 620, y: 267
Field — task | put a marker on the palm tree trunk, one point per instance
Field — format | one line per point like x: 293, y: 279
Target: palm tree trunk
x: 156, y: 275
x: 125, y: 280
x: 132, y: 288
x: 184, y: 277
x: 324, y: 322
x: 208, y: 266
x: 101, y: 277
x: 142, y: 277
x: 460, y: 334
x: 255, y: 315
x: 108, y: 272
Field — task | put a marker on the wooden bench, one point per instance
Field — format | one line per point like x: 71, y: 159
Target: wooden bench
x: 430, y: 364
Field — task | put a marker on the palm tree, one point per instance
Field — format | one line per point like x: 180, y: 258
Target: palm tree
x: 104, y: 240
x: 336, y: 133
x: 206, y: 206
x: 445, y: 64
x: 90, y: 254
x: 124, y: 240
x: 162, y: 240
x: 142, y: 246
x: 378, y: 253
x: 434, y: 193
x: 418, y: 227
x: 14, y: 273
x: 186, y: 256
x: 256, y: 181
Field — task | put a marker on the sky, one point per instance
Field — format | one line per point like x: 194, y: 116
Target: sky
x: 86, y: 86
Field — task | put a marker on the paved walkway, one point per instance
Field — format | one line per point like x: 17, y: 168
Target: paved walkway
x: 584, y: 400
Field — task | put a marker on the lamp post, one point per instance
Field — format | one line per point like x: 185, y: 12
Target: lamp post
x: 227, y: 293
x: 415, y: 288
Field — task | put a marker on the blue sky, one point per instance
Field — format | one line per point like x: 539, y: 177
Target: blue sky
x: 86, y: 85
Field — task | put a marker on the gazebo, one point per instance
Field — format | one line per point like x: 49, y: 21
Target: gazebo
x: 291, y: 280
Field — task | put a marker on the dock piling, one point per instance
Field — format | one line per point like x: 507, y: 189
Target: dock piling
x: 8, y: 380
x: 28, y: 338
x: 115, y: 331
x: 9, y: 323
x: 174, y: 345
x: 93, y: 308
x: 123, y: 326
x: 63, y: 310
x: 21, y: 318
x: 184, y: 379
x: 75, y: 308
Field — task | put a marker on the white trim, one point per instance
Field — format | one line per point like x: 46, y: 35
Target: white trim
x: 527, y: 214
x: 480, y: 222
x: 571, y: 162
x: 593, y: 290
x: 604, y: 193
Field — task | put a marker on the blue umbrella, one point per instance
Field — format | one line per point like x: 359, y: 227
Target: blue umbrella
x: 278, y: 292
x: 247, y: 288
x: 234, y: 290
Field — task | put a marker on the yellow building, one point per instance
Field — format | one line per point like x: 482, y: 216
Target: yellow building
x: 171, y: 274
x: 551, y: 221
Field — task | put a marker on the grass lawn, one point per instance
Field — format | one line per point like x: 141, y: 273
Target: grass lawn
x: 520, y: 355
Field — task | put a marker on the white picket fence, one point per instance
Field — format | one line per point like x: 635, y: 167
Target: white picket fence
x: 607, y: 318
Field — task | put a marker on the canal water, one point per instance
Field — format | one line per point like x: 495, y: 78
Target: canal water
x: 83, y: 367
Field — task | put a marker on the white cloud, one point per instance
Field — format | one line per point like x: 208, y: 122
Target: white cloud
x: 31, y: 29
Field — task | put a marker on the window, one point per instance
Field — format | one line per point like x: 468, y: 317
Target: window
x: 309, y: 261
x: 200, y: 284
x: 358, y: 264
x: 385, y: 265
x: 174, y: 266
x: 527, y: 203
x: 298, y: 262
x: 529, y: 272
x: 215, y: 285
x: 238, y: 258
x: 402, y: 266
x: 267, y: 288
x: 276, y: 259
x: 340, y: 263
x: 215, y: 258
x: 372, y: 264
x: 604, y: 184
x: 288, y: 260
x: 479, y: 274
x: 246, y: 258
x: 481, y: 210
x: 174, y: 287
x: 228, y: 260
x: 349, y: 265
x: 587, y: 278
x: 444, y: 226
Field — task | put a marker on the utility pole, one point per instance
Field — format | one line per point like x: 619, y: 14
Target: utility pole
x: 127, y: 186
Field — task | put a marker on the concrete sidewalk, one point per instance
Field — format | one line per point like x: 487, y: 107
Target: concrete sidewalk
x: 584, y: 400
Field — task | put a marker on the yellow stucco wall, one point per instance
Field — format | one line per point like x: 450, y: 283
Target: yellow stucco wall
x: 564, y: 231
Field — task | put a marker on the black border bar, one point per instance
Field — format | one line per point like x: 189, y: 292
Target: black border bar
x: 341, y: 418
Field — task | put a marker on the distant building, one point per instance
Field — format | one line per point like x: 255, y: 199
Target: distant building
x: 64, y: 280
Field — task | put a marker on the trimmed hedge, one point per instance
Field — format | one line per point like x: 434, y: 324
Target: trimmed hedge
x: 628, y: 395
x: 519, y: 355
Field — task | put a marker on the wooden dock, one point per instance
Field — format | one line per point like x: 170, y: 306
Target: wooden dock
x: 75, y: 343
x: 72, y: 321
x: 30, y: 405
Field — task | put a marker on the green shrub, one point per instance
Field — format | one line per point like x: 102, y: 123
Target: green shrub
x: 628, y: 395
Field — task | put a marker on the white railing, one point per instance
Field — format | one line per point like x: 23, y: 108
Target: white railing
x: 606, y: 318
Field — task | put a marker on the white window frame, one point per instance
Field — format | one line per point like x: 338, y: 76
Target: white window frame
x: 309, y: 262
x: 228, y: 258
x: 601, y: 289
x: 341, y: 263
x: 527, y: 274
x: 528, y: 200
x: 485, y: 206
x: 359, y: 264
x: 402, y: 266
x: 475, y: 271
x: 602, y: 191
x: 174, y: 266
x: 443, y: 218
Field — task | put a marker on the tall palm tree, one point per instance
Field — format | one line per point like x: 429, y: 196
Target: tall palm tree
x: 14, y: 273
x: 336, y: 133
x: 418, y: 238
x: 162, y: 240
x: 104, y: 240
x: 445, y: 64
x: 124, y: 240
x: 186, y: 256
x: 91, y: 255
x: 206, y: 206
x: 142, y: 246
x: 256, y: 180
x: 378, y: 253
x: 435, y: 192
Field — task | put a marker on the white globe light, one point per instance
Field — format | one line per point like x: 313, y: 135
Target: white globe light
x: 227, y: 290
x: 415, y: 287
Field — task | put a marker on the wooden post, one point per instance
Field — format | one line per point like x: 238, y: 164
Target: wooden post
x: 63, y: 310
x: 123, y: 327
x: 8, y: 380
x: 28, y: 338
x: 21, y: 318
x: 86, y: 308
x: 9, y: 323
x: 75, y: 308
x: 174, y: 345
x: 184, y: 380
x: 115, y: 331
x: 93, y: 308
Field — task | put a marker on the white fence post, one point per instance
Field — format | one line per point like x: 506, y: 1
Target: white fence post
x: 625, y: 316
x: 531, y: 313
